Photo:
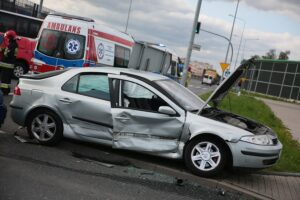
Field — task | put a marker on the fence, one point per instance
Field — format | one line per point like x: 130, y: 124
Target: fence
x: 276, y: 78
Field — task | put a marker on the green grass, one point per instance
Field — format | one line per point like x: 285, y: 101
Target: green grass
x: 257, y: 110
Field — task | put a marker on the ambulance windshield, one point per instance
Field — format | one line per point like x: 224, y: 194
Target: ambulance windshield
x: 62, y: 45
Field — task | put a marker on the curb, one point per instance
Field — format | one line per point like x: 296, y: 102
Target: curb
x: 279, y: 173
x: 206, y: 182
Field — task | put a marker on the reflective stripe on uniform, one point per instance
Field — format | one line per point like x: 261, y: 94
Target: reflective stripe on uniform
x: 6, y: 65
x: 16, y: 51
x: 4, y: 85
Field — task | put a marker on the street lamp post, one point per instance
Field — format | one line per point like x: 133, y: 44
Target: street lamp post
x: 216, y: 34
x: 236, y: 10
x: 127, y: 21
x: 240, y: 44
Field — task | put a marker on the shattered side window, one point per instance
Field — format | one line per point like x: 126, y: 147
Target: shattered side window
x: 94, y: 85
x: 138, y: 97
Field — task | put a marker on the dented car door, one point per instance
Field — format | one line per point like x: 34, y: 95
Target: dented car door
x: 143, y: 118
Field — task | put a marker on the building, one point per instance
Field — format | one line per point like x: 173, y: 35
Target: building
x: 24, y: 7
x: 198, y: 68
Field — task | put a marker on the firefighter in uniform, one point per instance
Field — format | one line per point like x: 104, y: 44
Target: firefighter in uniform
x: 8, y: 61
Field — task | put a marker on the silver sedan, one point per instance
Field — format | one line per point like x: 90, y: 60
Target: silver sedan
x: 145, y: 112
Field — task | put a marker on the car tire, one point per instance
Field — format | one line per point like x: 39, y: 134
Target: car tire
x: 19, y: 69
x: 206, y: 156
x: 45, y: 126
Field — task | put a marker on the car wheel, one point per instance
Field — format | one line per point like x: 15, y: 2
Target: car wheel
x: 45, y: 126
x: 20, y: 69
x: 205, y: 156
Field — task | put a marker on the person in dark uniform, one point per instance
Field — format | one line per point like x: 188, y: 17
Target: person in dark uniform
x: 8, y: 62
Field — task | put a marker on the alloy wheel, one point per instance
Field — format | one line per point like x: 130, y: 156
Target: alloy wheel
x: 205, y: 156
x: 43, y: 127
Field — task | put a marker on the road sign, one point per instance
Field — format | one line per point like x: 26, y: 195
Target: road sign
x: 224, y: 66
x: 226, y: 73
x: 196, y: 47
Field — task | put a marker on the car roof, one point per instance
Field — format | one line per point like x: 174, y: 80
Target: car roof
x: 123, y: 71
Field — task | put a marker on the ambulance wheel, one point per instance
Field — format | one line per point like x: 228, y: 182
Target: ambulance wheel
x: 20, y: 69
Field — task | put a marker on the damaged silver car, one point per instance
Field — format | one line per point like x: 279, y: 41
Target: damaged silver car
x: 145, y: 112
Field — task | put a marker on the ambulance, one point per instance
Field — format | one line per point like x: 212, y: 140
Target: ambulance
x: 72, y: 41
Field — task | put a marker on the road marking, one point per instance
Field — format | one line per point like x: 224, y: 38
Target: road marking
x: 20, y: 139
x: 3, y: 132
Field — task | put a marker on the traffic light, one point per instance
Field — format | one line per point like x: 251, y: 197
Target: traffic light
x: 198, y: 27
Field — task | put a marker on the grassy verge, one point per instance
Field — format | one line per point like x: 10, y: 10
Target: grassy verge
x: 255, y: 109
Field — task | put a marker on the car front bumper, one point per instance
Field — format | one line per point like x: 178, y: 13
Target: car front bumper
x: 249, y: 155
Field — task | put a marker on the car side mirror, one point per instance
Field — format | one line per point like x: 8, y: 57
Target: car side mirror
x: 166, y: 110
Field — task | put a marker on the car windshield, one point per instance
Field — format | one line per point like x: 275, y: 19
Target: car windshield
x: 183, y: 96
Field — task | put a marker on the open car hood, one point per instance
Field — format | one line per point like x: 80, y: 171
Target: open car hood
x: 221, y: 91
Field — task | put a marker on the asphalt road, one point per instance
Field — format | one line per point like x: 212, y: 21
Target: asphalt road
x: 198, y: 88
x: 76, y: 170
x: 289, y: 113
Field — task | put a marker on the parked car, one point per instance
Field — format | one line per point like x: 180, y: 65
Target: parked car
x: 145, y: 112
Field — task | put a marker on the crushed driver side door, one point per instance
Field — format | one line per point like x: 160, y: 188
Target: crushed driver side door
x: 137, y: 123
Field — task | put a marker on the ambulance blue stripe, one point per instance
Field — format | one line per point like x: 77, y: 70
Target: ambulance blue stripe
x: 57, y: 61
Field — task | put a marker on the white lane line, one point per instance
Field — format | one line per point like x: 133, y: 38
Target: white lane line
x: 20, y: 139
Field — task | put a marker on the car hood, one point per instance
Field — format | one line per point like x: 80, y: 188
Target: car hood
x: 221, y: 91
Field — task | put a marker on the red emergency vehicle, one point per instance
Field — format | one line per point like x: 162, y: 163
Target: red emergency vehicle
x: 27, y: 29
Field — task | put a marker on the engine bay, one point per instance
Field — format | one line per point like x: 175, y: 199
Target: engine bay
x: 235, y: 120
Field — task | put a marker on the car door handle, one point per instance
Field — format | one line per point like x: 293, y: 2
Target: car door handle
x: 66, y: 100
x: 123, y: 118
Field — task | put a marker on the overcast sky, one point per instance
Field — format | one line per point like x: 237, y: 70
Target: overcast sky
x: 270, y: 24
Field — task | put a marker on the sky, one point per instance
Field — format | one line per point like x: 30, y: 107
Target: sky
x: 269, y: 24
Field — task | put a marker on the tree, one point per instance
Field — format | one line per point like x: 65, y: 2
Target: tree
x: 271, y: 54
x: 284, y: 55
x: 256, y: 57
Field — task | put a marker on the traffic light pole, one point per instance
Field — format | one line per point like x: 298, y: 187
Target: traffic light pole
x: 189, y: 51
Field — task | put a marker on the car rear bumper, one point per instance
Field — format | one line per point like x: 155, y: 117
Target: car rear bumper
x: 254, y: 156
x: 17, y: 115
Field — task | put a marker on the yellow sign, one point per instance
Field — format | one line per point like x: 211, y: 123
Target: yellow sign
x: 224, y: 66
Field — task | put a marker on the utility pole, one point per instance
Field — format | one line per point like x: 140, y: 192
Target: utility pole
x: 189, y: 51
x: 40, y: 8
x: 129, y: 10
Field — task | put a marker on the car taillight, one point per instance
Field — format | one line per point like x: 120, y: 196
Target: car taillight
x: 17, y: 91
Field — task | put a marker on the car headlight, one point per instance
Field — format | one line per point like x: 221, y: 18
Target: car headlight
x: 258, y: 139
